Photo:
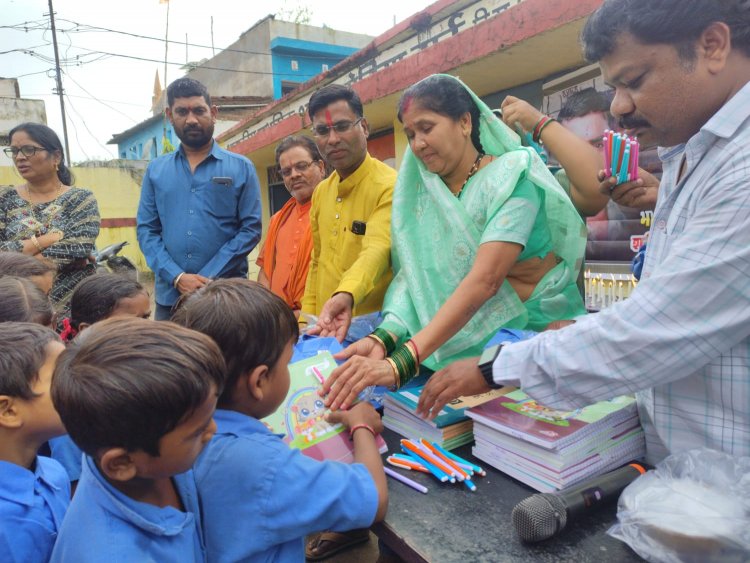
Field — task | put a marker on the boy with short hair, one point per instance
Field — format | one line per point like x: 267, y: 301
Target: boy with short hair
x: 34, y: 490
x: 138, y: 398
x: 259, y: 497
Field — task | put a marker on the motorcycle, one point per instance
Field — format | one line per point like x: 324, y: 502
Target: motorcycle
x: 107, y: 260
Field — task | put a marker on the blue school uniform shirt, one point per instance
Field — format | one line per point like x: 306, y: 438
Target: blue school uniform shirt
x: 32, y: 506
x: 103, y: 524
x: 67, y: 454
x: 260, y: 498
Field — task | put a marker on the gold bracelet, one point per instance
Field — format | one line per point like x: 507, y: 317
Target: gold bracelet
x: 377, y: 339
x: 35, y: 242
x: 396, y: 375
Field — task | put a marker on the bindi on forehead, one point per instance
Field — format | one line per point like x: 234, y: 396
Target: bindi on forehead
x: 329, y: 119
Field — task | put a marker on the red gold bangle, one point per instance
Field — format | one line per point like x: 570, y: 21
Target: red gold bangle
x: 356, y: 427
x: 415, y: 349
x: 541, y: 124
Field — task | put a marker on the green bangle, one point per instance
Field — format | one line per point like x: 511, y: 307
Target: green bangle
x: 385, y: 338
x: 406, y: 363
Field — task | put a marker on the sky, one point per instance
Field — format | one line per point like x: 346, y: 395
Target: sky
x: 107, y: 94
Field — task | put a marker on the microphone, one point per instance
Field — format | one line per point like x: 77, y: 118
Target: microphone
x: 541, y: 516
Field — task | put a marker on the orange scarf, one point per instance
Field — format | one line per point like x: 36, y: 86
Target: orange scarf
x: 295, y: 286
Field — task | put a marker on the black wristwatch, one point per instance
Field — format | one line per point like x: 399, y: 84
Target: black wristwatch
x: 486, y: 361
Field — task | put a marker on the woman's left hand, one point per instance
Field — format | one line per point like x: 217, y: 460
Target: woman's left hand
x: 348, y: 380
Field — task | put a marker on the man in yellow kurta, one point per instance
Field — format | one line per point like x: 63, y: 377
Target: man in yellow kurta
x: 350, y: 217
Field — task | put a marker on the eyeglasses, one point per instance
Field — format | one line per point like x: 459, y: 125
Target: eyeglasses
x: 300, y: 167
x: 339, y: 127
x: 26, y: 150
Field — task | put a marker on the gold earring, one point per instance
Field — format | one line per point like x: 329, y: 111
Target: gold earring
x: 57, y: 167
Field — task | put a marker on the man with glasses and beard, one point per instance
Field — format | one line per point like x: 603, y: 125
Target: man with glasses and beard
x: 350, y: 217
x: 199, y: 215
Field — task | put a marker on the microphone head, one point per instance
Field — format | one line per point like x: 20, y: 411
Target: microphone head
x: 539, y: 517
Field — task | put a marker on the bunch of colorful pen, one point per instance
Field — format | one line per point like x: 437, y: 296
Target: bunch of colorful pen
x: 620, y: 156
x: 420, y: 455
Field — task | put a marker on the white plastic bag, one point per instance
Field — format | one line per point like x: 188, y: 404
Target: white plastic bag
x: 694, y: 507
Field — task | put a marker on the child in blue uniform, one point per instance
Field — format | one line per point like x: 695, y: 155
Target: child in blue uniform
x: 259, y: 497
x: 98, y: 297
x: 34, y: 490
x: 138, y: 398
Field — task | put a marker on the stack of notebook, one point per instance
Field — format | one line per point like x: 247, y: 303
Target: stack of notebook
x: 549, y: 449
x: 450, y: 429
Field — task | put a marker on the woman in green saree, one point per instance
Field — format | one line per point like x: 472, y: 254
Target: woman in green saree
x: 483, y: 238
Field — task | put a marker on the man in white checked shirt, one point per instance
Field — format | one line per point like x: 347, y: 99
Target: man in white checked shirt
x: 681, y: 73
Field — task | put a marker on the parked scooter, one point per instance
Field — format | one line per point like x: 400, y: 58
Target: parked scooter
x: 107, y: 260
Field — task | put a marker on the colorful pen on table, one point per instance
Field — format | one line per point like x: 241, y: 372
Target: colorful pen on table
x: 405, y: 480
x: 478, y: 470
x: 406, y: 464
x: 449, y: 462
x: 440, y: 473
x: 425, y: 454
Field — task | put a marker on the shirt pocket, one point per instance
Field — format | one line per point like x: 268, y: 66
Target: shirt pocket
x: 219, y: 200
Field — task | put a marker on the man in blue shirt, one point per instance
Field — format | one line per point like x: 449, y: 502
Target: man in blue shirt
x: 199, y: 215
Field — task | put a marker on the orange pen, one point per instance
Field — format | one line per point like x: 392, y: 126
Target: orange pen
x: 412, y: 447
x: 447, y: 460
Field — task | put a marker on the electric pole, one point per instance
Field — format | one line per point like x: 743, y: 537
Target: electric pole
x: 59, y: 82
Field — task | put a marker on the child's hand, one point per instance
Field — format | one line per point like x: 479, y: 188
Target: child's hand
x: 362, y: 413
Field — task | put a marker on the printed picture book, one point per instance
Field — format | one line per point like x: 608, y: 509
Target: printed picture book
x: 301, y: 417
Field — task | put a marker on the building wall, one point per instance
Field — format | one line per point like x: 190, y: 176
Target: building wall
x: 14, y: 111
x: 146, y: 143
x: 117, y: 187
x: 296, y: 61
x: 250, y: 62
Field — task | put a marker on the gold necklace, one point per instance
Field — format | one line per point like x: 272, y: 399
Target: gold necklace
x: 57, y: 194
x: 473, y: 171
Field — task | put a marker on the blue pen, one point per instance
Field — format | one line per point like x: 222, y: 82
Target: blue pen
x: 615, y: 155
x: 438, y: 473
x: 469, y: 485
x: 623, y: 177
x: 475, y: 468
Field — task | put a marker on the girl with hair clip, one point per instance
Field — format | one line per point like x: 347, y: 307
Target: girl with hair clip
x: 46, y: 217
x: 483, y: 238
x: 103, y: 296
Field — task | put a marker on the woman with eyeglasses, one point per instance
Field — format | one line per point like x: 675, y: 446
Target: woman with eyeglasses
x: 483, y: 238
x: 45, y: 217
x: 285, y: 256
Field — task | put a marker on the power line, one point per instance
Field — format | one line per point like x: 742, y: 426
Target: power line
x: 98, y: 100
x: 70, y: 103
x: 80, y: 144
x: 202, y: 66
x: 96, y: 29
x: 89, y: 97
x: 22, y: 49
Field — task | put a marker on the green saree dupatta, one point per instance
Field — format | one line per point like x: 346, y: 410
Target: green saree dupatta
x: 435, y: 241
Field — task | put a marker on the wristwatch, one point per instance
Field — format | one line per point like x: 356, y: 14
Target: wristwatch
x: 486, y: 361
